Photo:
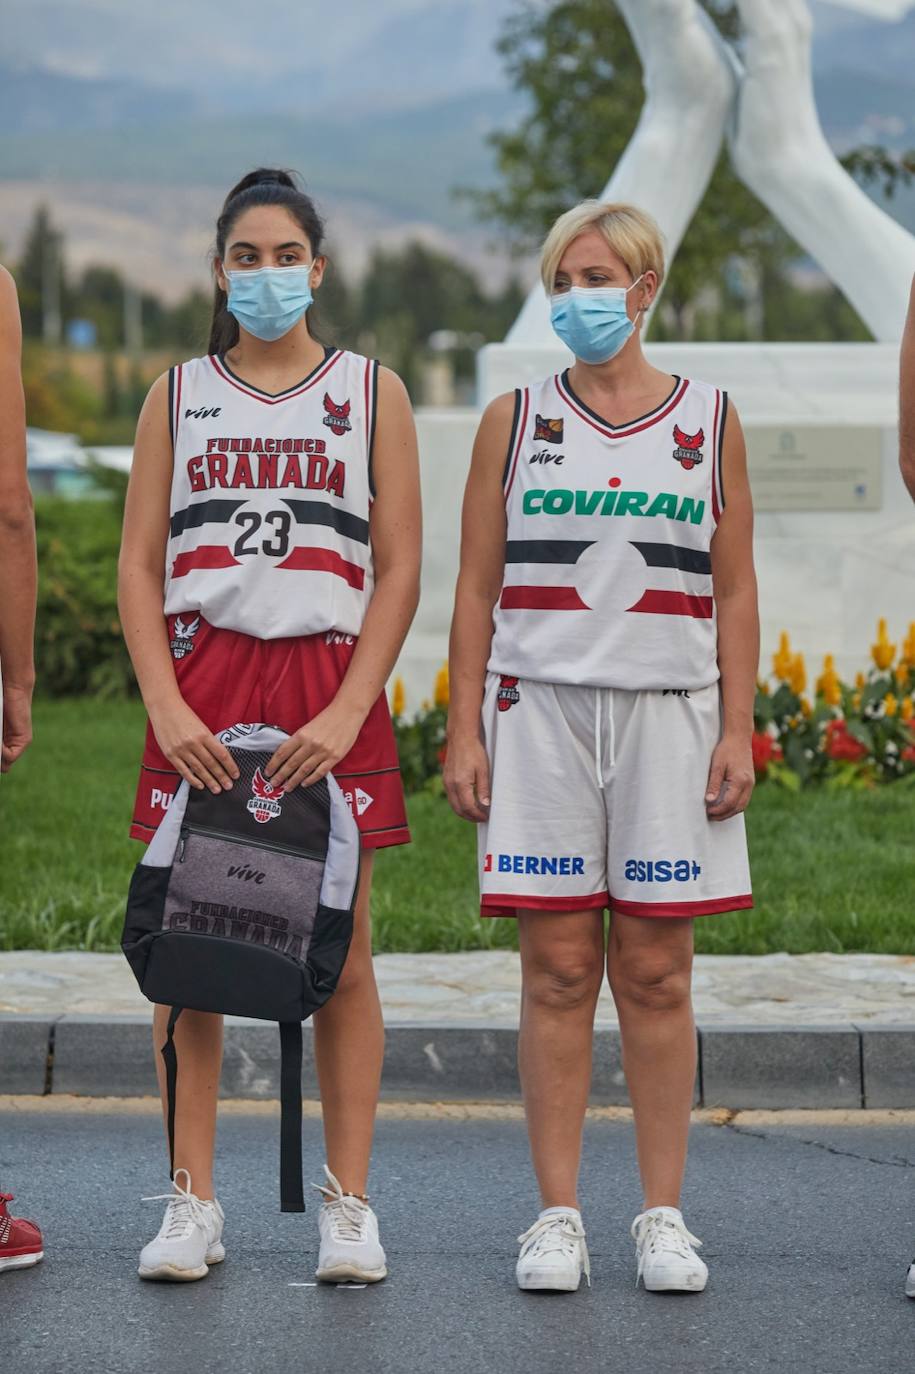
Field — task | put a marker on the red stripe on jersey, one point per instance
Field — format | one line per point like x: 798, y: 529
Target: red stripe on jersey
x: 541, y: 599
x: 716, y: 459
x: 623, y: 431
x: 286, y: 395
x: 675, y: 909
x: 519, y: 440
x: 324, y: 560
x: 656, y: 602
x: 204, y: 556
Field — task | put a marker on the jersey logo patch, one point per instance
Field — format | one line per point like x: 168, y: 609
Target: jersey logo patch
x: 183, y: 643
x: 264, y: 805
x: 508, y: 694
x: 689, y: 447
x: 337, y: 417
x: 547, y: 431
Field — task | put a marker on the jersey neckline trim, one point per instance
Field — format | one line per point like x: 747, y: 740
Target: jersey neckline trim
x: 223, y: 370
x: 584, y: 412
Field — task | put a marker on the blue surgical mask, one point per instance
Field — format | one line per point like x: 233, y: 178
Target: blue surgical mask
x: 269, y: 301
x: 592, y: 321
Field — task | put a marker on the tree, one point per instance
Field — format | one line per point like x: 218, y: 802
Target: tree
x: 576, y: 63
x: 40, y: 279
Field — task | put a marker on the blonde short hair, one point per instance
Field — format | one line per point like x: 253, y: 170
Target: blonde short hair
x: 631, y: 233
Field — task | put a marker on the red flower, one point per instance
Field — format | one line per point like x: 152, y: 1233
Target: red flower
x: 764, y: 751
x: 442, y: 754
x: 841, y: 745
x: 908, y: 754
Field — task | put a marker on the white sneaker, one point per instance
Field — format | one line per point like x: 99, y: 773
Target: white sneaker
x: 189, y: 1239
x: 350, y: 1248
x: 910, y: 1281
x: 667, y: 1261
x: 553, y: 1252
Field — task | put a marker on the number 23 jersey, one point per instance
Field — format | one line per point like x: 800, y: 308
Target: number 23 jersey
x: 270, y: 498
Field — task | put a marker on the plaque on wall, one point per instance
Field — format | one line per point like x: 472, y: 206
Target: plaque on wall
x: 807, y: 467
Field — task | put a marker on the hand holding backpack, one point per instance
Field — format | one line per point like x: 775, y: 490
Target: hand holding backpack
x: 243, y: 904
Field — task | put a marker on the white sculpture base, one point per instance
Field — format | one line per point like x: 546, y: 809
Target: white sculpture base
x: 825, y: 575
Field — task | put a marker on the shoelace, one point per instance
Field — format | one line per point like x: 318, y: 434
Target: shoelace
x: 184, y: 1209
x: 559, y: 1234
x: 656, y: 1233
x: 348, y: 1215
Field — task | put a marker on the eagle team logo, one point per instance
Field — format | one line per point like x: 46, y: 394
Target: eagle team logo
x: 337, y: 417
x: 183, y: 643
x: 508, y: 694
x: 689, y: 447
x: 264, y: 805
x: 547, y: 431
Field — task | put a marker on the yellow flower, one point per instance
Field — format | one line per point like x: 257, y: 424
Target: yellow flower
x: 860, y: 681
x: 427, y: 704
x: 806, y: 708
x: 398, y: 697
x: 901, y: 674
x: 907, y: 709
x: 442, y: 688
x: 781, y: 661
x: 883, y: 652
x: 856, y: 700
x: 908, y: 646
x: 890, y: 704
x: 797, y: 676
x: 829, y: 685
x: 763, y: 688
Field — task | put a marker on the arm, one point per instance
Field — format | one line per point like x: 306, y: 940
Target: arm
x: 395, y: 528
x: 731, y: 774
x: 182, y: 736
x: 18, y: 576
x: 907, y: 400
x: 479, y: 583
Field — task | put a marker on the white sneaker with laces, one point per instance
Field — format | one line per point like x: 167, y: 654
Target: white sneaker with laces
x: 910, y: 1281
x: 189, y: 1239
x: 664, y: 1248
x: 553, y: 1252
x: 350, y: 1248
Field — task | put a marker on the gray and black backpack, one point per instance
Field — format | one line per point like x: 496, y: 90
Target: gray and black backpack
x: 243, y: 904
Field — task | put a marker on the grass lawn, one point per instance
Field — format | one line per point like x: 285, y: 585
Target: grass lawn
x: 831, y: 870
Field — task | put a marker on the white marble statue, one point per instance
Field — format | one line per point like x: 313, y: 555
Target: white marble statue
x: 698, y: 91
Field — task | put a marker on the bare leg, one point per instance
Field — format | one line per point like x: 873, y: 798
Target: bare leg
x: 649, y: 963
x: 780, y: 151
x: 562, y: 957
x: 349, y: 1050
x: 198, y: 1041
x: 690, y: 85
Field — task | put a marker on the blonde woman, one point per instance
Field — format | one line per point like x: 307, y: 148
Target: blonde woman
x: 603, y: 661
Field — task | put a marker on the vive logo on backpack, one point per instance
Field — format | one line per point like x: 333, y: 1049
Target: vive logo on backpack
x: 246, y: 874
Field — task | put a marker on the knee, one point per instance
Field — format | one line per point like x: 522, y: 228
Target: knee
x: 563, y: 985
x: 653, y: 982
x: 357, y: 975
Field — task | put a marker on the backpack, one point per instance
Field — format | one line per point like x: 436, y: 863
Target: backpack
x: 243, y: 904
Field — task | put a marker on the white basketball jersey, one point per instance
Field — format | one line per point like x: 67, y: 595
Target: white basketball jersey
x: 608, y: 573
x: 270, y: 498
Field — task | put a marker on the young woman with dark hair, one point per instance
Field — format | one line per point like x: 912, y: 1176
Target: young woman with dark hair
x: 275, y: 498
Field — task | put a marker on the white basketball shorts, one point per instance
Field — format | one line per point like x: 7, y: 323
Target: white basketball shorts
x: 598, y: 799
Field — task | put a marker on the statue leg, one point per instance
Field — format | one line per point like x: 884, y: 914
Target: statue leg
x: 781, y: 153
x: 690, y: 84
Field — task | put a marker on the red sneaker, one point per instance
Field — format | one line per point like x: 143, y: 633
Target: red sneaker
x: 20, y: 1241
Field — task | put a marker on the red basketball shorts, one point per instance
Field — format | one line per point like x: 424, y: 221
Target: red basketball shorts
x: 229, y: 678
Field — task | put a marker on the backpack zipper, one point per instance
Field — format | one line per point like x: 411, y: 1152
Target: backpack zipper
x: 243, y: 839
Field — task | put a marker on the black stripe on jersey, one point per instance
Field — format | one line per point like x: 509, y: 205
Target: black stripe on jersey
x: 374, y: 367
x: 545, y: 550
x: 674, y: 556
x: 512, y: 437
x: 724, y: 416
x: 320, y: 513
x: 199, y: 513
x: 171, y: 405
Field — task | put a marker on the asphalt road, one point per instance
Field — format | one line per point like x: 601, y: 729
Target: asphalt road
x: 808, y: 1231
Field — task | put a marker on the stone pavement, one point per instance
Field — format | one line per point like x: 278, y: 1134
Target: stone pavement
x: 483, y: 987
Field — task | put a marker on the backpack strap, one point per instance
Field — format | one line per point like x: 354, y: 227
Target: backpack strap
x: 291, y: 1191
x: 170, y: 1058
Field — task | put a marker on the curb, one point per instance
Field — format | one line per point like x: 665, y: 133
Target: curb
x: 740, y: 1067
